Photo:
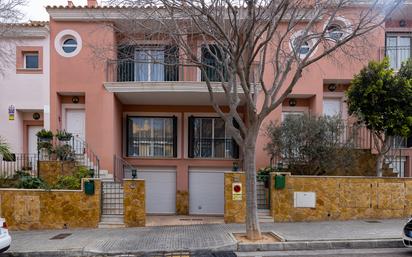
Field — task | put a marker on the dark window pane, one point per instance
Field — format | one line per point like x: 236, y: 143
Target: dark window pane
x: 150, y: 137
x: 32, y: 61
x: 69, y: 45
x: 209, y: 139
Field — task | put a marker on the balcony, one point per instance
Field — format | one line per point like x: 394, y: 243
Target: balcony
x: 155, y: 83
x: 397, y: 55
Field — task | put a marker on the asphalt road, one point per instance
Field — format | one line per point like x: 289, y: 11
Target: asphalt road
x: 392, y: 252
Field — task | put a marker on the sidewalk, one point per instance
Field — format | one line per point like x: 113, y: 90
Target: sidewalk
x: 313, y: 235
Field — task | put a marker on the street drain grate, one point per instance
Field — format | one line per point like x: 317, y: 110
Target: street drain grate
x: 184, y: 219
x: 372, y: 221
x: 60, y: 236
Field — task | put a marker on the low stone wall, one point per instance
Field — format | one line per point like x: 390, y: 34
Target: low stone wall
x: 50, y: 170
x: 235, y: 208
x: 341, y: 198
x: 134, y: 203
x: 26, y: 209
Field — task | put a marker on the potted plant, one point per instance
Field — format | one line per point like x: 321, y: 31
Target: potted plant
x: 63, y: 135
x: 44, y: 135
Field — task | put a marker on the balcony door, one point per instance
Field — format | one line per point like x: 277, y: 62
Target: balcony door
x: 149, y: 64
x: 398, y: 49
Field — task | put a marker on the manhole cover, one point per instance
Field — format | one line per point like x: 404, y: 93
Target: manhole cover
x: 372, y: 221
x: 60, y: 236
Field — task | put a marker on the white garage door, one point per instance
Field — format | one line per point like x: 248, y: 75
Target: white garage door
x: 206, y: 191
x: 160, y: 190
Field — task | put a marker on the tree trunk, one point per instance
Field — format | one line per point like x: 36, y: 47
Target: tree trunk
x: 379, y: 164
x: 252, y: 221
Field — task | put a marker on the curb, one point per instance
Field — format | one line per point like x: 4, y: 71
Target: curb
x: 321, y: 245
x: 241, y: 247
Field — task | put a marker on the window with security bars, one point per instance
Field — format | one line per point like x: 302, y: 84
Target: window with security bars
x: 208, y: 138
x: 151, y: 137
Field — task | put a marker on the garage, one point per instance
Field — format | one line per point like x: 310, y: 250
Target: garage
x: 206, y: 191
x: 160, y: 189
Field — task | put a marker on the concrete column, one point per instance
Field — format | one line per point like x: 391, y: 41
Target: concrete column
x: 134, y: 202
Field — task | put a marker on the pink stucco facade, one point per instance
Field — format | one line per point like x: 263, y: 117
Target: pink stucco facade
x: 106, y: 110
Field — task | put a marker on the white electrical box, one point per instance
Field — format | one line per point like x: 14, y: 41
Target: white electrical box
x: 305, y: 200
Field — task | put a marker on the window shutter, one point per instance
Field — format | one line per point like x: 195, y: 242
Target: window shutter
x: 409, y: 142
x: 171, y: 68
x: 235, y: 146
x: 191, y: 135
x: 174, y: 136
x: 125, y: 67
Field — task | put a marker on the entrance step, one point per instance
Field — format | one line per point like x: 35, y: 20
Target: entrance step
x: 105, y: 176
x: 112, y: 221
x: 265, y: 216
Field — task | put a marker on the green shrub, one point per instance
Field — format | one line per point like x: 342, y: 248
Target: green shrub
x: 73, y: 182
x: 29, y: 182
x: 68, y: 182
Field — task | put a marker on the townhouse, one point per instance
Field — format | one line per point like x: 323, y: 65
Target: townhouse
x: 137, y: 113
x: 24, y: 86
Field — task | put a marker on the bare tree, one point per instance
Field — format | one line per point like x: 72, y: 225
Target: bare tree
x: 10, y: 14
x: 259, y: 48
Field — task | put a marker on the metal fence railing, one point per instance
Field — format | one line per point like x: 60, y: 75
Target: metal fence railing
x: 123, y: 169
x: 9, y: 165
x: 152, y: 147
x: 134, y: 70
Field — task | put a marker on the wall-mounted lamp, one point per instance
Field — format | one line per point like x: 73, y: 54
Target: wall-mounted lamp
x: 75, y: 100
x: 134, y: 173
x: 36, y: 116
x: 292, y: 102
x: 332, y: 87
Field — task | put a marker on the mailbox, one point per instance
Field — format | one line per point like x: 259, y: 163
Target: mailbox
x: 89, y: 187
x: 280, y: 181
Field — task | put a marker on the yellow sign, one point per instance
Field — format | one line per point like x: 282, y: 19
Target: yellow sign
x: 236, y: 191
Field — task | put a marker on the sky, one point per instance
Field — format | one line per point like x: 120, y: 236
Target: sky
x: 35, y: 8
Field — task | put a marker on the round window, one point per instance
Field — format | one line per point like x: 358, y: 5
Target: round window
x: 302, y: 44
x: 69, y: 45
x: 335, y: 32
x: 302, y: 49
x: 338, y: 29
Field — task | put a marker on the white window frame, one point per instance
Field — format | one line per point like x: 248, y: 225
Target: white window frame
x: 398, y: 37
x: 31, y: 54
